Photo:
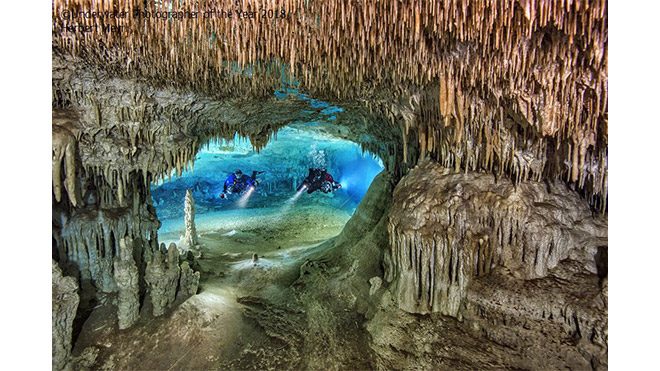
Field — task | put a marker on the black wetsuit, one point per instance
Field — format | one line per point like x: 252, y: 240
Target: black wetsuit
x: 319, y: 179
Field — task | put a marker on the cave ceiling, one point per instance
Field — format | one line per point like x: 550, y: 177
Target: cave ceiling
x: 515, y: 88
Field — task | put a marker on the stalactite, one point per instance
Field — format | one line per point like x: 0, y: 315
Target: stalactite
x: 461, y: 80
x: 475, y: 58
x: 442, y: 236
x: 65, y: 157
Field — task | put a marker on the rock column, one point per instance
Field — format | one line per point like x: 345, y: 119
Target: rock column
x: 162, y: 276
x: 65, y: 304
x: 189, y: 281
x: 190, y: 238
x: 127, y: 279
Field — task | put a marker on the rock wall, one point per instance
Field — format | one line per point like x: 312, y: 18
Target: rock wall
x: 536, y: 318
x: 89, y: 239
x: 448, y: 229
x: 65, y: 304
x: 317, y: 317
x: 506, y: 277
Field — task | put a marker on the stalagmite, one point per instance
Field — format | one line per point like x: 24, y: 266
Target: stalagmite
x: 189, y: 281
x: 162, y: 276
x: 126, y: 277
x: 190, y: 236
x: 65, y: 303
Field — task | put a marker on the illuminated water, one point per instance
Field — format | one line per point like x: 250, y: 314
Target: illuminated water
x: 284, y: 161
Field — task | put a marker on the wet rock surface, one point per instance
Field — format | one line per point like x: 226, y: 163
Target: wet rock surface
x: 550, y: 323
x: 243, y: 316
x: 325, y: 308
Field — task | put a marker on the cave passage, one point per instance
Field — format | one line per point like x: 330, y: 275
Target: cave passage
x: 274, y: 216
x: 476, y: 240
x: 245, y: 249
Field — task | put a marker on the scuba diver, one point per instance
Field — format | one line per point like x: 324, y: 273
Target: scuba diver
x: 237, y: 183
x: 319, y: 179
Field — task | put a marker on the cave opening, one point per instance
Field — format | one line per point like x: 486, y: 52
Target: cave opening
x: 259, y: 226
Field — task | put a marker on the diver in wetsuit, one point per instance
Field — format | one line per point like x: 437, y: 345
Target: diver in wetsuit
x: 319, y: 179
x: 237, y: 182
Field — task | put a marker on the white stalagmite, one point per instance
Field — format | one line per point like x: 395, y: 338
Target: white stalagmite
x: 190, y: 237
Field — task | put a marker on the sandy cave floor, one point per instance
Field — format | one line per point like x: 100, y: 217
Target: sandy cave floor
x: 209, y: 330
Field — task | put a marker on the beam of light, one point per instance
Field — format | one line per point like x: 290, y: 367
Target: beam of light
x: 242, y: 202
x: 356, y: 175
x: 295, y: 197
x: 288, y: 204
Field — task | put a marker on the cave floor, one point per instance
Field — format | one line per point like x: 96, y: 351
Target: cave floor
x: 260, y: 230
x: 210, y: 330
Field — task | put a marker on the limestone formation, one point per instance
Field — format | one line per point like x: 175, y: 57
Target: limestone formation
x: 505, y: 86
x: 65, y: 304
x: 90, y: 239
x: 161, y: 129
x: 190, y: 237
x: 464, y: 226
x: 566, y: 303
x: 126, y: 276
x: 501, y: 105
x: 162, y: 276
x: 189, y: 280
x: 375, y: 283
x: 65, y: 153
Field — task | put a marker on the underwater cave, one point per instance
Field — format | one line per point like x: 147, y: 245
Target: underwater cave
x: 330, y: 185
x: 278, y: 220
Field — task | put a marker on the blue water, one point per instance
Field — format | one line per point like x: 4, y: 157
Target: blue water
x: 285, y: 162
